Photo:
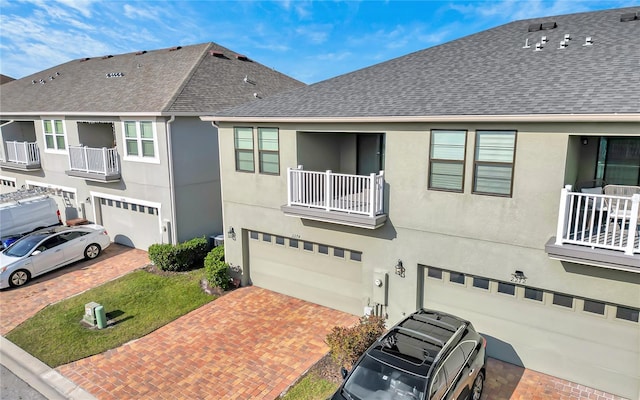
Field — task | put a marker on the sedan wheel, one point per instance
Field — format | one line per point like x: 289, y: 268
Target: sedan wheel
x: 92, y: 251
x: 478, y: 384
x: 19, y: 278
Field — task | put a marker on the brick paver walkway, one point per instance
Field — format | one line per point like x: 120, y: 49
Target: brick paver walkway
x: 18, y: 305
x: 249, y: 344
x: 510, y: 382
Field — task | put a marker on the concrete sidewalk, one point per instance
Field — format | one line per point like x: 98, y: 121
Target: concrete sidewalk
x: 38, y: 375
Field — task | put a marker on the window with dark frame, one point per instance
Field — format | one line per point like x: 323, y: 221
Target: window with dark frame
x: 628, y: 314
x: 243, y: 143
x: 268, y: 151
x: 338, y: 252
x: 506, y: 288
x: 54, y: 137
x: 323, y: 249
x: 494, y: 162
x: 307, y: 246
x: 533, y: 294
x: 266, y: 237
x: 280, y: 240
x: 562, y: 300
x: 293, y: 243
x: 253, y: 235
x: 456, y: 277
x: 593, y: 306
x: 481, y: 283
x: 447, y: 159
x: 355, y: 255
x: 433, y: 272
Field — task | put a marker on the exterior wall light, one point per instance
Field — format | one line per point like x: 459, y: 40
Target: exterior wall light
x: 231, y: 234
x: 400, y: 269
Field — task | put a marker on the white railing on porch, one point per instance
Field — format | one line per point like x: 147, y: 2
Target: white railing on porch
x: 354, y: 194
x: 94, y: 160
x: 599, y: 221
x: 26, y: 153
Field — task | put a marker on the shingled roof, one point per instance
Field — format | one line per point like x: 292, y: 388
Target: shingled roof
x: 494, y: 72
x: 187, y: 80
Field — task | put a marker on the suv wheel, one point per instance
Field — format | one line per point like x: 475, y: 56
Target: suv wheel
x: 478, y: 385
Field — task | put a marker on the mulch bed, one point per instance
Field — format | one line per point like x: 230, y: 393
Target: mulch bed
x: 327, y: 369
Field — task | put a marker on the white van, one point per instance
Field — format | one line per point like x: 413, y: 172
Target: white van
x: 18, y: 217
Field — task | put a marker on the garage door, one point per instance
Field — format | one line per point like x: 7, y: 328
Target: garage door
x: 327, y: 275
x: 582, y: 340
x: 129, y: 223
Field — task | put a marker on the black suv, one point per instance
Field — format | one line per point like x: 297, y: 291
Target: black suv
x: 428, y: 355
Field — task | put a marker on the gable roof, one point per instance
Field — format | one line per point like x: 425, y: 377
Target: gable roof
x: 4, y: 79
x: 486, y: 74
x: 187, y: 80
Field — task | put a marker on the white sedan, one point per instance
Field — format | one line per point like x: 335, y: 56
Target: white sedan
x: 48, y: 249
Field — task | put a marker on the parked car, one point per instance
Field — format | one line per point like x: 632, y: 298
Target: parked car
x: 47, y: 249
x: 428, y: 355
x: 23, y: 212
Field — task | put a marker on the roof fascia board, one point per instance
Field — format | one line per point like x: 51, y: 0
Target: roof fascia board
x: 438, y: 118
x: 82, y: 114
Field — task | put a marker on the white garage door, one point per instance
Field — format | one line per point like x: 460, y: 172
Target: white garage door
x: 327, y: 275
x: 582, y: 340
x: 130, y: 223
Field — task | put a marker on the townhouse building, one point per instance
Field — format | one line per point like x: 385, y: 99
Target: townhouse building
x: 118, y: 141
x: 495, y: 177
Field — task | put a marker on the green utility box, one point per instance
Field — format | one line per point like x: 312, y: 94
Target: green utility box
x: 90, y: 313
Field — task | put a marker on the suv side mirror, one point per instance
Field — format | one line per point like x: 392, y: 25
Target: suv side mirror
x: 343, y: 372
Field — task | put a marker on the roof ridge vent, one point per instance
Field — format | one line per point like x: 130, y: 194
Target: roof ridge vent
x: 105, y: 57
x: 588, y: 41
x: 141, y: 52
x: 242, y: 57
x: 534, y: 27
x: 85, y: 59
x: 216, y: 53
x: 526, y: 44
x: 175, y: 48
x: 626, y: 17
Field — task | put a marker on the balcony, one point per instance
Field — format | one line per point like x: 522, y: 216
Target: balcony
x: 352, y: 200
x: 94, y: 164
x: 597, y: 229
x: 23, y: 156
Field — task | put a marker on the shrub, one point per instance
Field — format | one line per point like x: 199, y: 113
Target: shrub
x: 181, y: 257
x: 216, y: 270
x: 347, y: 344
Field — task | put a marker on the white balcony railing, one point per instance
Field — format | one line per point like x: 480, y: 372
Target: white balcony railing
x: 101, y: 161
x: 599, y: 221
x: 26, y: 153
x: 354, y: 194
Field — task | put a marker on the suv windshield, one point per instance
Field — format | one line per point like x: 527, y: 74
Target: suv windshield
x: 23, y: 246
x: 372, y: 379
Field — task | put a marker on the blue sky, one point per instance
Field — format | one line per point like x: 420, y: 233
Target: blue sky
x: 308, y: 40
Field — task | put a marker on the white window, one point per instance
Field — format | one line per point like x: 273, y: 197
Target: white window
x: 494, y: 159
x: 140, y: 141
x: 54, y: 136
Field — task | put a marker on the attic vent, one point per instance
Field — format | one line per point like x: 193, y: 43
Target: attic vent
x: 115, y: 74
x: 175, y: 48
x: 588, y: 41
x: 534, y: 27
x: 141, y: 52
x: 85, y: 59
x: 548, y: 25
x: 216, y: 53
x: 539, y: 46
x: 105, y: 57
x: 241, y: 57
x: 626, y: 17
x: 526, y: 44
x: 563, y: 44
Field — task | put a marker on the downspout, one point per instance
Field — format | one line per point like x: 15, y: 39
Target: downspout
x: 224, y: 226
x: 171, y: 182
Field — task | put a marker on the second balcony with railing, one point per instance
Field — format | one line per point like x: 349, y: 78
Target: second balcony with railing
x: 23, y: 156
x: 354, y: 200
x: 95, y: 164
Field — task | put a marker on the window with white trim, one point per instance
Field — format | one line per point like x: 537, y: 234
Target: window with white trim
x: 243, y: 143
x: 54, y: 135
x: 140, y: 140
x: 268, y: 151
x: 493, y: 164
x: 446, y: 160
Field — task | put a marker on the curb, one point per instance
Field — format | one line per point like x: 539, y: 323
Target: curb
x: 38, y: 375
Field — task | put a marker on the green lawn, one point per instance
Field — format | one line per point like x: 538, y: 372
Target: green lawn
x: 311, y: 387
x: 138, y: 303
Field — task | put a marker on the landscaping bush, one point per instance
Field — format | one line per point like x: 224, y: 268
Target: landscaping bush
x: 347, y: 344
x: 216, y: 270
x: 181, y: 257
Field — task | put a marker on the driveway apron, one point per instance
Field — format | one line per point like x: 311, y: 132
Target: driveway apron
x: 249, y: 344
x: 18, y: 305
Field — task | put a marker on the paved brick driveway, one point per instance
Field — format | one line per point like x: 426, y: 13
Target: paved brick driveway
x: 249, y: 344
x: 18, y: 305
